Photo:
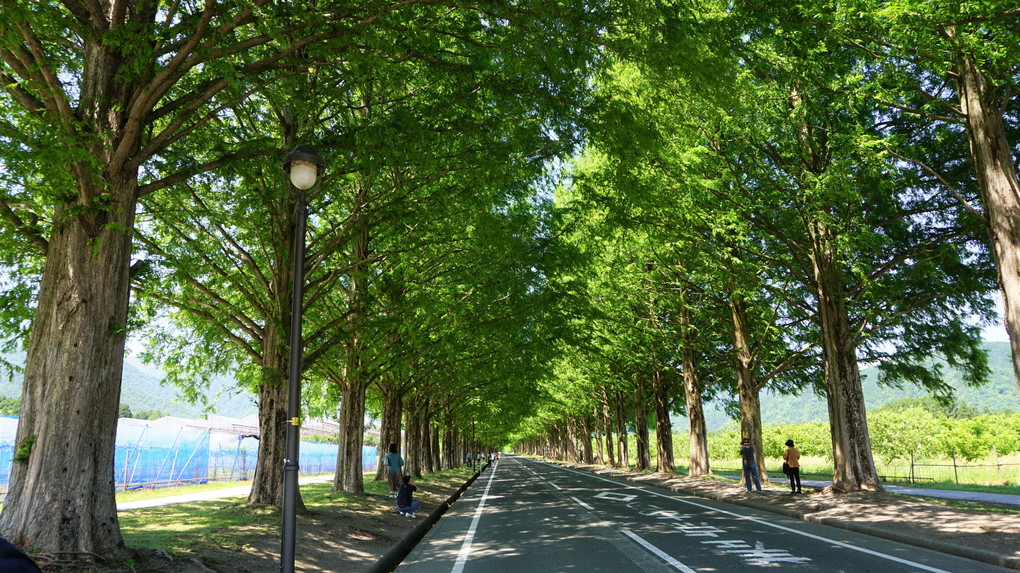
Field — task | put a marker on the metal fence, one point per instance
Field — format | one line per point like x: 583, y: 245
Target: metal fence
x: 918, y: 471
x: 153, y: 455
x: 922, y: 471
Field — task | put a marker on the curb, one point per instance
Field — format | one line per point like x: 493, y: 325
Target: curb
x: 951, y: 549
x: 392, y: 558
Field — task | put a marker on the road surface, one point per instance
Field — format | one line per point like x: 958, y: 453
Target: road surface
x: 528, y: 516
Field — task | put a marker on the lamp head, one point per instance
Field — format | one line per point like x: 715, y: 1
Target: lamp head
x: 304, y: 166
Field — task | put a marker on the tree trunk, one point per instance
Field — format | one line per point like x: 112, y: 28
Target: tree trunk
x: 412, y: 461
x: 586, y: 445
x: 349, y: 475
x: 622, y: 456
x: 389, y: 423
x: 354, y: 379
x: 663, y: 426
x: 747, y: 385
x: 571, y: 440
x: 451, y: 446
x: 854, y: 467
x: 607, y: 421
x: 598, y: 434
x: 62, y: 498
x: 996, y: 174
x: 644, y: 456
x: 267, y: 485
x: 436, y: 462
x: 699, y: 464
x: 425, y: 441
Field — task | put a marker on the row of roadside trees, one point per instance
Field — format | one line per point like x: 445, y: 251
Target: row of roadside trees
x: 141, y: 193
x: 830, y: 185
x: 759, y: 196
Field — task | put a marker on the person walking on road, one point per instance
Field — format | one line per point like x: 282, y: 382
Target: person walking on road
x: 405, y: 502
x: 792, y: 458
x: 747, y: 455
x: 394, y: 469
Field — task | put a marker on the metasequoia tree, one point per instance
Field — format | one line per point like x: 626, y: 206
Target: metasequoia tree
x: 128, y: 91
x: 101, y: 90
x: 864, y: 236
x: 951, y: 65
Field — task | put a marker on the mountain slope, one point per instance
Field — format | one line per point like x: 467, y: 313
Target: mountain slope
x: 999, y: 394
x: 142, y: 390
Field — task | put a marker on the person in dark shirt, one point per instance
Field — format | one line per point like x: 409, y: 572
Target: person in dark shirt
x: 747, y: 455
x: 14, y: 560
x: 405, y: 504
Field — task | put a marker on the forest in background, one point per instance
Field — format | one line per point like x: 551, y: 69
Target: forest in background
x: 997, y: 395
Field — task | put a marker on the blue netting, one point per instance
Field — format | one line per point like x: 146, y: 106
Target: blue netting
x: 154, y: 455
x: 149, y: 456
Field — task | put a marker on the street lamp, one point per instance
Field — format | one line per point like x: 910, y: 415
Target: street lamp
x: 304, y: 166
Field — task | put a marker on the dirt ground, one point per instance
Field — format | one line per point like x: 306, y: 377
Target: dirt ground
x: 354, y: 539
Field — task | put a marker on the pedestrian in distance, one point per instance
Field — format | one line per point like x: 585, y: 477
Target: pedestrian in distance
x: 791, y: 459
x: 468, y: 457
x: 394, y: 469
x: 747, y: 456
x: 405, y: 501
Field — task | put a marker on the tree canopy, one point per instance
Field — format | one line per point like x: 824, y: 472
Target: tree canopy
x: 571, y: 220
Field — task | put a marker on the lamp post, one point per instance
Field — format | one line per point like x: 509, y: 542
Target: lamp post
x: 304, y: 167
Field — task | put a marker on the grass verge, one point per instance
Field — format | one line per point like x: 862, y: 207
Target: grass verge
x: 229, y: 524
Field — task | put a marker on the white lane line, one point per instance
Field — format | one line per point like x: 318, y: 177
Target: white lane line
x: 465, y: 548
x: 582, y: 504
x: 659, y: 553
x: 554, y: 485
x: 764, y: 523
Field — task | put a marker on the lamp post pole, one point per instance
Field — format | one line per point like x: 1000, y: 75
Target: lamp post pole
x: 304, y: 166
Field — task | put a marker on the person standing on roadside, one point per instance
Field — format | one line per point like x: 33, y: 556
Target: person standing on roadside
x: 394, y: 469
x: 747, y: 455
x: 792, y: 458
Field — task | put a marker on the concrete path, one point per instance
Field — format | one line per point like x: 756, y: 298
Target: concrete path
x: 999, y: 498
x: 209, y: 495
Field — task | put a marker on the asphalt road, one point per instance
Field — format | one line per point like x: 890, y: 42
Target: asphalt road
x: 527, y: 516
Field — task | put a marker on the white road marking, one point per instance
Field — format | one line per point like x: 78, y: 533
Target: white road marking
x: 616, y: 496
x: 659, y: 553
x: 582, y: 504
x: 465, y: 548
x: 764, y: 523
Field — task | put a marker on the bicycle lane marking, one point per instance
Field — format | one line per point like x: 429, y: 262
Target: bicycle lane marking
x: 760, y: 522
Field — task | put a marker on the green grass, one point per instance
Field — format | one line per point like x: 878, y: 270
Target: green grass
x: 225, y: 523
x: 972, y: 477
x: 154, y: 493
x: 229, y: 524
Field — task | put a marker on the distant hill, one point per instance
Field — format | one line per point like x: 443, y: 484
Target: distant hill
x: 142, y: 390
x: 999, y: 394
